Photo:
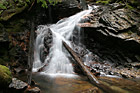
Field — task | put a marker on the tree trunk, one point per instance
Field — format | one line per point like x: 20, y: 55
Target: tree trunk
x: 31, y: 53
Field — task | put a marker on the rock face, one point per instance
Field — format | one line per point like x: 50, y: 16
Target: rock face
x: 33, y: 90
x: 18, y: 86
x: 5, y: 76
x: 113, y: 34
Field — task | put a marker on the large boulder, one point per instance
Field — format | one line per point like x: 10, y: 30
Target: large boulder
x: 116, y: 28
x: 18, y: 84
x: 5, y: 76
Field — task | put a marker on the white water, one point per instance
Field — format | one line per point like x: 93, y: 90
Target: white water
x: 58, y: 57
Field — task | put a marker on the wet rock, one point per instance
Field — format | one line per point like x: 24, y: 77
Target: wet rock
x: 48, y: 39
x: 19, y: 70
x: 97, y: 74
x: 125, y: 75
x: 111, y: 73
x: 136, y: 65
x: 18, y: 84
x: 113, y: 34
x: 127, y: 72
x: 33, y: 90
x: 118, y: 20
x: 133, y: 65
x: 114, y: 21
x: 65, y: 9
x: 71, y: 3
x: 33, y: 83
x: 137, y: 57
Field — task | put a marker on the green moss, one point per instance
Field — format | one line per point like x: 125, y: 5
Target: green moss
x: 5, y: 76
x: 11, y: 13
x: 103, y: 1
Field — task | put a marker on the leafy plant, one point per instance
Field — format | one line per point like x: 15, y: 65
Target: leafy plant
x: 3, y: 4
x: 46, y: 2
x: 28, y: 1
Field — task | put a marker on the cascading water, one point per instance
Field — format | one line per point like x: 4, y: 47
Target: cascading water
x: 58, y: 61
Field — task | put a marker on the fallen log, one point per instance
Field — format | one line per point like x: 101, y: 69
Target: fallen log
x: 102, y: 85
x: 85, y: 70
x: 42, y: 68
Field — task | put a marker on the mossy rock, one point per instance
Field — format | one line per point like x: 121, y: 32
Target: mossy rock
x: 11, y: 8
x: 5, y: 76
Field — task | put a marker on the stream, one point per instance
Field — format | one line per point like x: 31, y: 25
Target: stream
x: 80, y: 84
x: 48, y: 84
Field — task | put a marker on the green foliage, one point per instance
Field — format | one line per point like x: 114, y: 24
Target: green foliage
x: 103, y: 1
x: 22, y: 1
x: 3, y: 4
x: 28, y: 1
x: 129, y: 6
x: 45, y: 3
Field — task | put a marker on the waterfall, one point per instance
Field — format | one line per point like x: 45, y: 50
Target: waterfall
x: 57, y: 60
